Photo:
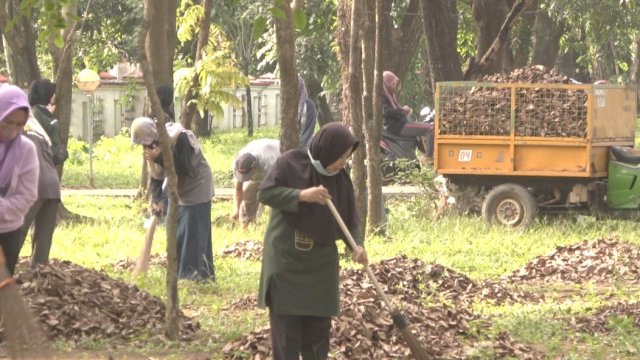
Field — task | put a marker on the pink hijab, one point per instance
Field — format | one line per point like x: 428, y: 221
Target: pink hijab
x: 11, y: 98
x: 390, y: 88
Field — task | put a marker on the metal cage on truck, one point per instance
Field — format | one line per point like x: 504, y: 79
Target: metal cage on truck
x: 538, y: 130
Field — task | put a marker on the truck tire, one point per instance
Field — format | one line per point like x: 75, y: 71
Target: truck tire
x: 509, y: 205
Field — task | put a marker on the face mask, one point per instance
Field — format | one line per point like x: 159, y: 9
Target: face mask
x: 316, y: 164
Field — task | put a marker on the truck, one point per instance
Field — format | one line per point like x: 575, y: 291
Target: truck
x: 530, y: 148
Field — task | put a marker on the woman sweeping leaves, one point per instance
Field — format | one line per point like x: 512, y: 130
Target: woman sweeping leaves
x: 300, y: 268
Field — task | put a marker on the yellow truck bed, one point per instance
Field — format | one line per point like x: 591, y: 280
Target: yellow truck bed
x: 553, y: 130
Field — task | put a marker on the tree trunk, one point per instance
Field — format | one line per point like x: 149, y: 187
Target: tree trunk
x: 19, y: 44
x: 324, y: 110
x: 190, y: 110
x: 372, y: 105
x: 63, y: 70
x: 285, y: 38
x: 161, y: 41
x: 497, y: 58
x: 399, y: 44
x: 440, y: 27
x: 352, y: 92
x: 171, y: 313
x: 343, y: 38
x: 634, y: 72
x: 489, y: 16
x: 546, y: 42
x: 247, y: 91
x: 523, y: 33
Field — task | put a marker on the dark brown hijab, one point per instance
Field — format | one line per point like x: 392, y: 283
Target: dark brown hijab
x: 294, y: 169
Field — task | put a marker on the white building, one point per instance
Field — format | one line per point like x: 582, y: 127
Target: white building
x: 117, y: 102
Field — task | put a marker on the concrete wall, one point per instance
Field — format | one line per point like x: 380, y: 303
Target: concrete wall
x: 110, y: 114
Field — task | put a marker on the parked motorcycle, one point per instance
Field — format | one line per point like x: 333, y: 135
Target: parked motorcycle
x: 399, y: 152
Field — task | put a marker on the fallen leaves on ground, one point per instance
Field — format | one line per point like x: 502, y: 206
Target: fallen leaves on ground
x: 77, y: 304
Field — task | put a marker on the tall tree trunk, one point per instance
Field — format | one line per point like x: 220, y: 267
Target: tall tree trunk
x: 20, y: 44
x: 247, y: 91
x: 172, y: 307
x: 350, y: 15
x: 63, y: 70
x: 523, y: 33
x: 343, y: 38
x: 546, y: 42
x: 161, y: 41
x: 372, y: 105
x: 440, y: 27
x: 285, y: 38
x: 634, y: 72
x: 489, y: 16
x: 324, y: 110
x: 399, y: 44
x: 190, y: 110
x: 497, y: 58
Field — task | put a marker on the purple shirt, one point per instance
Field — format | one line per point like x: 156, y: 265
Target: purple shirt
x: 22, y: 191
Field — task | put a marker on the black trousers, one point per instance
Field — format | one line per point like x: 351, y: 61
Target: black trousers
x: 292, y: 336
x: 10, y: 242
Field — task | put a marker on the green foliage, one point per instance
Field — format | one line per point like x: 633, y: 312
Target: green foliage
x: 602, y: 32
x: 299, y: 19
x: 106, y: 40
x: 217, y: 70
x: 467, y: 31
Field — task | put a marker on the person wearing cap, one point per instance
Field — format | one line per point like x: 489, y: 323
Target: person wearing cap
x: 195, y: 191
x: 299, y: 278
x: 19, y: 170
x: 249, y: 168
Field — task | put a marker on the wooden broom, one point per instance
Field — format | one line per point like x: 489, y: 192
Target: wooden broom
x: 398, y: 318
x: 142, y: 264
x: 20, y: 327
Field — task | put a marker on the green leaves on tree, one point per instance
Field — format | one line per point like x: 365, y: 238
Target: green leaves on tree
x: 299, y: 19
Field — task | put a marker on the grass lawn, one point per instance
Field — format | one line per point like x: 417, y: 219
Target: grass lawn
x: 462, y: 243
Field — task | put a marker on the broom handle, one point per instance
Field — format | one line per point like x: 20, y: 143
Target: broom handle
x: 353, y: 245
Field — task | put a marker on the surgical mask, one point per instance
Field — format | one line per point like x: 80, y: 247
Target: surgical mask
x: 316, y: 164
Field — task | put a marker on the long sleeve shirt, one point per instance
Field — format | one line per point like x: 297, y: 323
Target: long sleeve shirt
x: 22, y: 191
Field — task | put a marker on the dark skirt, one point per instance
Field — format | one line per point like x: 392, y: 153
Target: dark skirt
x: 193, y: 237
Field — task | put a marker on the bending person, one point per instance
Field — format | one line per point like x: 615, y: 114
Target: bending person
x: 249, y: 168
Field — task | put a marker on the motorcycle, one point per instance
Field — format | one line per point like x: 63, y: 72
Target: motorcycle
x: 398, y: 153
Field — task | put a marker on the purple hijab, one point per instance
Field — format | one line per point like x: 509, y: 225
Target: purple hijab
x: 390, y: 88
x: 11, y: 98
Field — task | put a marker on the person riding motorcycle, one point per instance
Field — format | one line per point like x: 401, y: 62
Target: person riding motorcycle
x: 400, y: 136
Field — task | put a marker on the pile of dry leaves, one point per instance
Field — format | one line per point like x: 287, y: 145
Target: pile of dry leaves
x: 365, y: 330
x: 75, y: 304
x: 600, y: 261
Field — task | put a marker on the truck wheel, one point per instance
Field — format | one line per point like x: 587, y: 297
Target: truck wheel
x: 510, y: 205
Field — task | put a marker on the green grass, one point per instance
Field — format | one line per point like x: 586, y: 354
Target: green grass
x: 117, y: 162
x: 463, y: 243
